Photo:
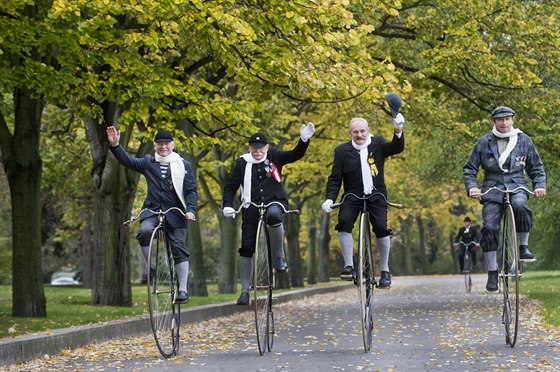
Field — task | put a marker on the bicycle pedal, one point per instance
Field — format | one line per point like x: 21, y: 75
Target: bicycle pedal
x: 493, y: 292
x: 528, y: 260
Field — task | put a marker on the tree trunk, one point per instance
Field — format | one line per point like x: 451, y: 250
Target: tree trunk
x: 292, y: 225
x: 114, y: 190
x: 422, y: 244
x: 197, y: 283
x: 323, y: 254
x: 312, y: 251
x: 87, y: 257
x: 406, y: 245
x: 23, y: 166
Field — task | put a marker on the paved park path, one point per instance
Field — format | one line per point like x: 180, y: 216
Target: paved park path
x: 422, y: 324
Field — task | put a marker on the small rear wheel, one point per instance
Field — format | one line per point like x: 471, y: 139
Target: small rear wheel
x: 164, y: 315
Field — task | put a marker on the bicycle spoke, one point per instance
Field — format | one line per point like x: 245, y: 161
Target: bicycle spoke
x: 164, y: 315
x: 262, y: 287
x: 509, y: 277
x: 365, y: 280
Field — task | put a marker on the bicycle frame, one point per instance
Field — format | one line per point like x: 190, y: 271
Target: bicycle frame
x: 161, y: 287
x: 509, y: 270
x: 263, y: 279
x: 363, y: 266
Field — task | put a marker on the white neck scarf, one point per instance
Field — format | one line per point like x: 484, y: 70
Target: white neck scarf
x: 177, y: 172
x: 367, y: 179
x: 512, y: 135
x: 246, y: 187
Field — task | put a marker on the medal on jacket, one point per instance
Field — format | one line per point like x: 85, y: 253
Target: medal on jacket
x: 272, y: 170
x: 520, y: 161
x: 373, y: 167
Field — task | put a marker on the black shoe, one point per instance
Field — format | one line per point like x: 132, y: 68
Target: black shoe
x: 181, y: 298
x: 281, y: 265
x: 385, y: 280
x: 492, y: 283
x: 243, y: 299
x: 347, y: 273
x: 524, y: 253
x: 144, y: 279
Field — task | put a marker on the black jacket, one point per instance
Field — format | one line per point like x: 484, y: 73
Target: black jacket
x: 264, y: 188
x: 161, y: 195
x: 347, y: 171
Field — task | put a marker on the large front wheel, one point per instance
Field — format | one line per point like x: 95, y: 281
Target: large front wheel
x: 164, y: 315
x: 365, y: 281
x: 262, y: 289
x: 509, y: 277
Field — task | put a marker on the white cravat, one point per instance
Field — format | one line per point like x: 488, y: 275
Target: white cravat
x: 177, y: 172
x: 246, y: 187
x: 367, y: 179
x: 512, y: 135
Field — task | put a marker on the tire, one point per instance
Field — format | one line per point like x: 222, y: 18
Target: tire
x: 467, y: 271
x: 262, y: 287
x: 164, y: 315
x: 508, y: 280
x: 365, y: 281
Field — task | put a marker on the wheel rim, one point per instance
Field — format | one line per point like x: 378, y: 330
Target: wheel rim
x: 365, y: 280
x: 262, y: 287
x: 509, y: 278
x: 164, y: 315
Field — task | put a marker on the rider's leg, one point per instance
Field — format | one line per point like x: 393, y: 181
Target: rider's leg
x: 346, y: 242
x: 384, y: 247
x: 378, y: 216
x: 491, y: 215
x: 144, y: 235
x: 523, y: 223
x: 347, y: 215
x: 276, y: 232
x: 248, y: 241
x: 177, y: 237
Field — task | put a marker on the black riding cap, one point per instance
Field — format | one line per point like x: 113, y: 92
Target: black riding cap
x: 502, y: 112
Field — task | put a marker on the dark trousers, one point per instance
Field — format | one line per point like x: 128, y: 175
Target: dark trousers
x: 492, y: 215
x: 175, y: 236
x: 250, y: 215
x: 377, y: 210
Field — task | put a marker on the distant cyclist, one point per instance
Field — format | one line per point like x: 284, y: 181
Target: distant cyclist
x: 467, y: 234
x: 506, y: 155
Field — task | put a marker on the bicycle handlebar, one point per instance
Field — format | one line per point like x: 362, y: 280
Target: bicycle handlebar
x: 262, y: 205
x: 336, y: 205
x: 159, y: 212
x: 506, y: 191
x: 467, y: 244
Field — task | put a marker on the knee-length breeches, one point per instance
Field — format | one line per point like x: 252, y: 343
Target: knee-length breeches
x: 492, y: 215
x: 250, y: 215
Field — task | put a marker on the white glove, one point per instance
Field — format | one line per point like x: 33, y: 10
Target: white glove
x: 306, y: 131
x: 398, y: 121
x: 327, y: 206
x: 228, y: 212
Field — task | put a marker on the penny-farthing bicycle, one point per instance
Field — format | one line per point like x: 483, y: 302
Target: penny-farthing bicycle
x: 165, y: 316
x: 263, y: 279
x: 364, y: 271
x: 509, y: 266
x: 467, y: 264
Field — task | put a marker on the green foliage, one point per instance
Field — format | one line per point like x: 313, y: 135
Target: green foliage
x: 545, y: 287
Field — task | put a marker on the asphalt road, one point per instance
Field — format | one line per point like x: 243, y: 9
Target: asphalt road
x: 422, y: 323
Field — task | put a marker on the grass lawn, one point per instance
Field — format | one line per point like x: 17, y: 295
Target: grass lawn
x: 545, y: 287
